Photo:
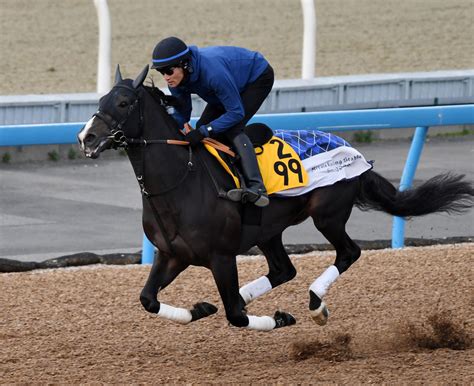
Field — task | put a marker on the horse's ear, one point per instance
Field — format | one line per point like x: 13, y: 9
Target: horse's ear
x: 140, y: 78
x: 118, y: 75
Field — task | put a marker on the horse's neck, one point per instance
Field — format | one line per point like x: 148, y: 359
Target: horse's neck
x: 164, y: 165
x: 161, y: 165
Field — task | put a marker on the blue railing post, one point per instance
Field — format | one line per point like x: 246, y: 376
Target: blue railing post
x: 148, y: 251
x: 398, y: 229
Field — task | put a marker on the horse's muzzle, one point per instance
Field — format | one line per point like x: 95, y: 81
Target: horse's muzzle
x: 92, y: 146
x: 104, y: 144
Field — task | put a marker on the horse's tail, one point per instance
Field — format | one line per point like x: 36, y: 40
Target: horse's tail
x: 442, y: 193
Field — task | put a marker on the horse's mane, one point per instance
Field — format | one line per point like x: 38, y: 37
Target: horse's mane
x: 166, y: 102
x: 160, y: 97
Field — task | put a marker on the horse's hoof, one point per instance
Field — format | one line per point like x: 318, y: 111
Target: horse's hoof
x: 320, y: 315
x: 202, y: 310
x: 283, y: 319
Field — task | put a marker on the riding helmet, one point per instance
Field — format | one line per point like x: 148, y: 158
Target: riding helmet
x: 171, y: 51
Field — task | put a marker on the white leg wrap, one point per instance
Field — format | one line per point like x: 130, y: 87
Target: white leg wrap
x: 261, y: 323
x: 179, y: 315
x: 321, y: 285
x: 254, y: 289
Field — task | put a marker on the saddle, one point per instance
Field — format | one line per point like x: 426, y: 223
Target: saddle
x: 258, y: 133
x: 280, y: 166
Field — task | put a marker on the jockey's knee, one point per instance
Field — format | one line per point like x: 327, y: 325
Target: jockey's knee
x: 238, y: 320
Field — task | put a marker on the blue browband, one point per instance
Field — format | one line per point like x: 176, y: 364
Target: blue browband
x: 171, y: 57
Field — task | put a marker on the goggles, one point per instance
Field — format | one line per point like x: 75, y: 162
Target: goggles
x: 167, y: 70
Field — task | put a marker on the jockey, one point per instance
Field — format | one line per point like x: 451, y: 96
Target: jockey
x: 234, y: 82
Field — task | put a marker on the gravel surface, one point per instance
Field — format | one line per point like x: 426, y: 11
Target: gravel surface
x: 397, y: 316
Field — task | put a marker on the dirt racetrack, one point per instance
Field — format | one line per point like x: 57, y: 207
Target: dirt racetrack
x: 397, y: 316
x: 50, y: 46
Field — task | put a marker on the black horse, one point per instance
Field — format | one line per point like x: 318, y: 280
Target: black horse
x: 189, y: 220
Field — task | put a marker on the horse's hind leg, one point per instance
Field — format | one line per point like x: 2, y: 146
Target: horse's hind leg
x: 224, y: 270
x: 281, y: 270
x: 330, y: 209
x: 347, y: 252
x: 164, y: 270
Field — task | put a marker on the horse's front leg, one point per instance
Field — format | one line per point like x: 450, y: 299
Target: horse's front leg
x: 224, y: 270
x: 164, y: 270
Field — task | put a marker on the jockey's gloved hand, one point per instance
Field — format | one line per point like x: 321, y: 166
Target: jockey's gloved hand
x: 194, y: 137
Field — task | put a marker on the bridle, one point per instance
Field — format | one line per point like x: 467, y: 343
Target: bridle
x: 121, y: 141
x: 116, y: 127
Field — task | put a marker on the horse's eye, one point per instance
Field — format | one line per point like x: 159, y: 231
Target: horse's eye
x: 123, y: 104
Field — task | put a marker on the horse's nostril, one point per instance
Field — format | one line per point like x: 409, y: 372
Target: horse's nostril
x: 89, y: 138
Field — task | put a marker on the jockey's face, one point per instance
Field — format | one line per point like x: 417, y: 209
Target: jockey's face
x: 174, y: 77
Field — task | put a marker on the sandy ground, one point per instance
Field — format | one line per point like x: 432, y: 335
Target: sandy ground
x: 50, y: 46
x: 399, y: 316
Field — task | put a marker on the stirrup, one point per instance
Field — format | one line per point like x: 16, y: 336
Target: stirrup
x: 262, y: 201
x: 235, y: 195
x: 245, y: 195
x: 259, y: 198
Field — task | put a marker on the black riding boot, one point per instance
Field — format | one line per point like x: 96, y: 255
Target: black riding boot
x: 254, y: 190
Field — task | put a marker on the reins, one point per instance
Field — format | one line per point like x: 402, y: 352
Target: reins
x: 145, y: 142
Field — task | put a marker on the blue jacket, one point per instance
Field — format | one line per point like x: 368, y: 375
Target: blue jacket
x: 219, y: 75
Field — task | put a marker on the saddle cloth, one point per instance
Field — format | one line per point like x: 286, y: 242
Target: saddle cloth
x: 326, y: 158
x: 293, y: 163
x: 279, y: 164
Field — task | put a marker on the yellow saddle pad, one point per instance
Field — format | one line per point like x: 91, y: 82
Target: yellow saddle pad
x: 280, y: 166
